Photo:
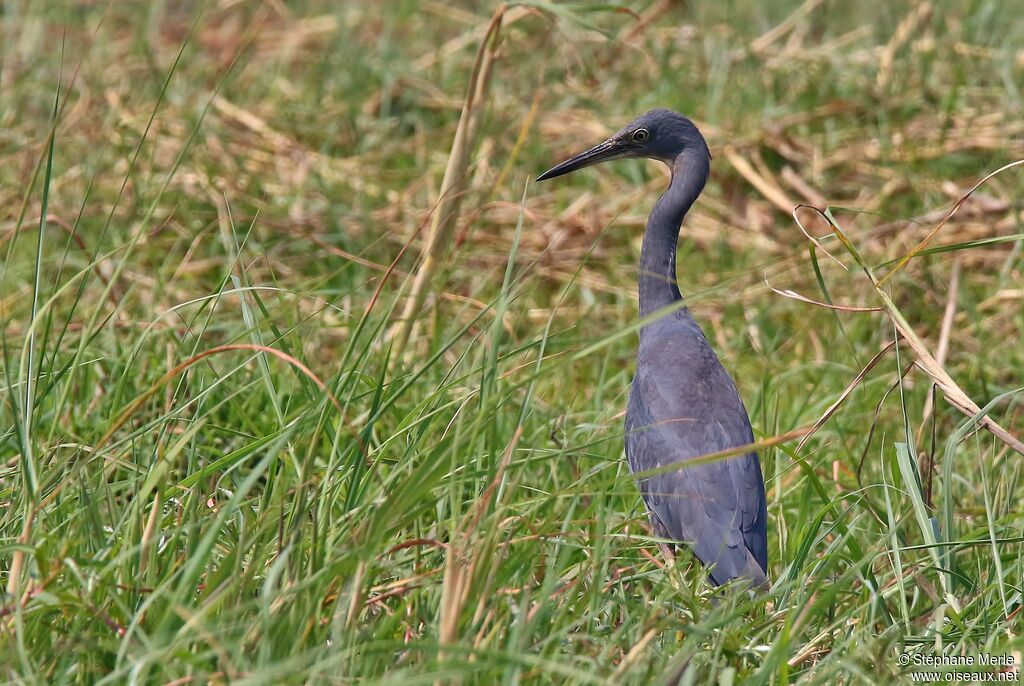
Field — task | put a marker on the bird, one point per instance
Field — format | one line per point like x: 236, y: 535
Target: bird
x: 682, y: 402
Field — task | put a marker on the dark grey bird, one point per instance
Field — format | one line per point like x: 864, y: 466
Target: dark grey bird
x: 683, y: 404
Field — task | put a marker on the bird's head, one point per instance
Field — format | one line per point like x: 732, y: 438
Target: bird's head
x: 658, y: 135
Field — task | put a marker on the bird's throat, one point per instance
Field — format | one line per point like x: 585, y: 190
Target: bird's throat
x: 657, y: 281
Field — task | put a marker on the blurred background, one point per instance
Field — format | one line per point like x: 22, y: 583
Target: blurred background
x: 305, y: 381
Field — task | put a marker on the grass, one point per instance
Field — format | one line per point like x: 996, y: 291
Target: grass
x: 221, y: 463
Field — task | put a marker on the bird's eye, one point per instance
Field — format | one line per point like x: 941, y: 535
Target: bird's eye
x: 640, y: 135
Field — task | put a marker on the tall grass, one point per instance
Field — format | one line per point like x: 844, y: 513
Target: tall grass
x: 221, y: 460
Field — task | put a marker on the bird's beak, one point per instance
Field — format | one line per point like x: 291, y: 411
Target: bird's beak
x: 609, y: 150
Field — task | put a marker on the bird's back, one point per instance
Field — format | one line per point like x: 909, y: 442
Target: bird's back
x: 682, y: 405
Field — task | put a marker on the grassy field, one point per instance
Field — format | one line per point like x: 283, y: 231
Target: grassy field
x: 227, y: 455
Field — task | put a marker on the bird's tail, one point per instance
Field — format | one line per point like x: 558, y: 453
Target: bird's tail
x: 739, y: 563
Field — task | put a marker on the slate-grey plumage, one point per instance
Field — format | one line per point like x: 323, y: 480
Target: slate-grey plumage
x: 682, y: 403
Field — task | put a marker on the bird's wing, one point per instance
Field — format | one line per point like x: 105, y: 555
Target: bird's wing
x: 683, y: 405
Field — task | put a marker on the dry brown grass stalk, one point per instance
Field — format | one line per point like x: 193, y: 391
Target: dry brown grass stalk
x: 454, y: 183
x: 925, y: 360
x: 463, y: 555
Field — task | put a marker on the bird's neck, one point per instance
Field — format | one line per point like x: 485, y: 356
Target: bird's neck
x: 658, y: 286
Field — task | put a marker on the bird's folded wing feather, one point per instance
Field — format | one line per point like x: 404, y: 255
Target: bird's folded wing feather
x: 683, y: 411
